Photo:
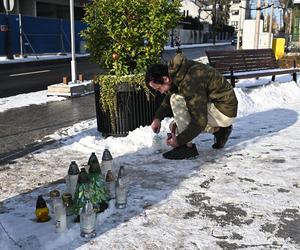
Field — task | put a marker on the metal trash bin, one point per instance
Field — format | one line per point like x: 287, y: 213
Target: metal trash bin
x: 278, y: 47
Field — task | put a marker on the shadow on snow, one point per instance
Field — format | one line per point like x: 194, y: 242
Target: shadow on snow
x: 152, y: 180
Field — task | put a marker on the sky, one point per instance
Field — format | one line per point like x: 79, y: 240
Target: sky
x: 243, y: 196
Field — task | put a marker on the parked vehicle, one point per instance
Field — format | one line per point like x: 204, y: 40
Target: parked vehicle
x: 234, y: 40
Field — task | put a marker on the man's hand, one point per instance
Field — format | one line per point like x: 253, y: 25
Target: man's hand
x: 172, y: 140
x: 155, y: 125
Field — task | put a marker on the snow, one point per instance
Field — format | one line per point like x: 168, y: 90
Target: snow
x: 23, y: 100
x: 243, y: 196
x: 39, y: 97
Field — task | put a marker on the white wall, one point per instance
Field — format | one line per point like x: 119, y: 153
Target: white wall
x: 190, y: 6
x: 249, y: 36
x: 188, y: 36
x: 265, y: 40
x: 242, y: 13
x: 249, y: 33
x: 205, y: 16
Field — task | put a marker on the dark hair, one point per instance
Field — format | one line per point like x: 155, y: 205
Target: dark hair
x: 155, y: 73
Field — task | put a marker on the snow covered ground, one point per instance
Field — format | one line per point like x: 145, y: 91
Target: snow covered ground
x: 245, y: 196
x: 23, y: 100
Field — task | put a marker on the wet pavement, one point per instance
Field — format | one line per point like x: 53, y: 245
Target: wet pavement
x: 22, y: 129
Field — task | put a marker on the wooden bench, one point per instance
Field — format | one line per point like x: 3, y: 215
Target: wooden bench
x: 248, y: 63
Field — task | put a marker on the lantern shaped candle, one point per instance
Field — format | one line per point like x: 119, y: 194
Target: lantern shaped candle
x: 82, y: 193
x: 41, y: 211
x: 121, y: 189
x: 93, y: 160
x: 72, y: 178
x: 88, y: 221
x: 60, y: 218
x: 107, y: 162
x: 157, y: 143
x: 98, y: 193
x: 110, y: 184
x: 68, y: 203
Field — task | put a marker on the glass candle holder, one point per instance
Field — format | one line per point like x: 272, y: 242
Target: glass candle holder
x: 60, y: 218
x: 55, y: 199
x: 88, y: 221
x: 68, y: 203
x: 121, y: 189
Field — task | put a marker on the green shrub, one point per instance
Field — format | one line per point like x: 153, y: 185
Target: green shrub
x: 125, y: 36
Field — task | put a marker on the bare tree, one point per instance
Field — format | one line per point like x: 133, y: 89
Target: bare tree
x: 286, y: 5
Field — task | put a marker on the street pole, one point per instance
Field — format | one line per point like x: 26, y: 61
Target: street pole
x: 9, y: 54
x: 290, y: 25
x: 280, y: 17
x: 270, y: 25
x: 257, y: 24
x: 21, y: 36
x: 8, y: 6
x: 172, y: 34
x: 239, y: 28
x: 73, y: 62
x: 172, y: 37
x: 266, y: 16
x: 214, y: 22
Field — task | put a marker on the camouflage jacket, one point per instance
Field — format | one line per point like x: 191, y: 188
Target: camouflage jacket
x: 199, y: 84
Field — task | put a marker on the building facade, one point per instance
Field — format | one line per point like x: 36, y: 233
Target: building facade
x: 197, y: 8
x: 189, y: 8
x: 46, y: 8
x: 295, y: 36
x: 239, y: 11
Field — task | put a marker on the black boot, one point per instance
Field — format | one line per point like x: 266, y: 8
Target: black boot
x: 221, y: 137
x: 182, y: 152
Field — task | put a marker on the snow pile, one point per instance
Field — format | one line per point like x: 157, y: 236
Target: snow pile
x: 23, y: 100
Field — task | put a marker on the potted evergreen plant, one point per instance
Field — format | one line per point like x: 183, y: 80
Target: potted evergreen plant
x: 124, y: 37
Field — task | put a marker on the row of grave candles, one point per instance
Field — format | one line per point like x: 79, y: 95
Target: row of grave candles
x: 88, y: 193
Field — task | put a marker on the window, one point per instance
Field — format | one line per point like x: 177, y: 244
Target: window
x: 235, y: 24
x: 185, y: 12
x: 235, y: 12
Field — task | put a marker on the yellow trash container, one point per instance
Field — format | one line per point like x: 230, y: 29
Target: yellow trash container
x: 278, y: 47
